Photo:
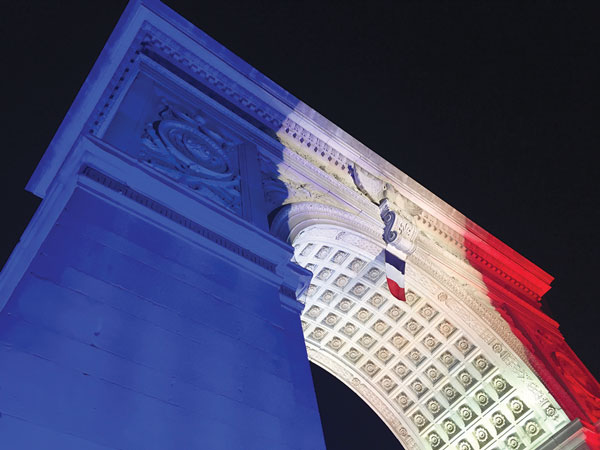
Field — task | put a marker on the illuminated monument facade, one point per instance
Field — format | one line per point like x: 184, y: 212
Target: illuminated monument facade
x: 202, y: 232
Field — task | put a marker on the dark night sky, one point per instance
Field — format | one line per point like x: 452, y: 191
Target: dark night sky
x: 493, y: 106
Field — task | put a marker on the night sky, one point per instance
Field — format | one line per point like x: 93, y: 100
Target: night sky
x: 493, y: 106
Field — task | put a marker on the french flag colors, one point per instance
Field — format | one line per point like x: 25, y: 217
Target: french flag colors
x: 394, y: 270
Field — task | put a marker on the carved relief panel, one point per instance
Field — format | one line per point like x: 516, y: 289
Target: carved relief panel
x: 186, y: 140
x: 186, y: 149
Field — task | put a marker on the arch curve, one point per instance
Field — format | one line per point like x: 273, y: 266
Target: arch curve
x: 431, y: 367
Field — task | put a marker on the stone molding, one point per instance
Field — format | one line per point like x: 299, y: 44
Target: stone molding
x: 174, y: 216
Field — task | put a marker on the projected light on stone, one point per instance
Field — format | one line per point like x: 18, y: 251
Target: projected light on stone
x: 202, y: 236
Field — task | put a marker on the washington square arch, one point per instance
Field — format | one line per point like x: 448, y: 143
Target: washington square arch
x: 203, y: 235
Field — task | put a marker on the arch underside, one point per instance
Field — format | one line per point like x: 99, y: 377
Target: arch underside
x: 434, y: 372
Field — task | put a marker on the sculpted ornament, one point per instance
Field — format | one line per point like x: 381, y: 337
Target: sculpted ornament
x: 187, y: 150
x: 398, y: 230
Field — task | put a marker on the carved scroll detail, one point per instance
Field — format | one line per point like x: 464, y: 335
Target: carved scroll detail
x: 179, y: 146
x: 389, y: 218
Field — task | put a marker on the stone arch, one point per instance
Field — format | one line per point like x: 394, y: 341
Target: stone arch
x: 120, y: 195
x: 433, y: 368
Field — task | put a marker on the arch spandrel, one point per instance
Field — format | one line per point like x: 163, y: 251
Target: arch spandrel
x: 433, y: 368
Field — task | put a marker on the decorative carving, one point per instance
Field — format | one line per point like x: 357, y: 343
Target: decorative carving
x: 345, y: 305
x: 339, y: 257
x: 466, y: 379
x: 418, y: 388
x: 353, y: 355
x: 433, y: 374
x: 464, y: 345
x: 358, y: 290
x: 327, y: 296
x: 186, y: 150
x: 335, y: 343
x: 402, y: 371
x: 420, y: 420
x: 318, y: 334
x: 323, y: 252
x: 435, y: 440
x: 448, y: 359
x: 413, y: 327
x: 482, y: 435
x: 434, y: 407
x: 384, y: 355
x: 370, y: 368
x: 466, y: 414
x: 464, y: 445
x: 363, y: 314
x: 395, y: 313
x: 387, y: 384
x: 428, y: 312
x: 313, y: 312
x: 380, y: 327
x: 450, y: 393
x: 513, y: 442
x: 404, y: 401
x: 324, y: 274
x: 517, y: 407
x: 398, y: 341
x: 367, y: 341
x: 389, y: 219
x: 331, y: 319
x: 482, y: 399
x: 403, y: 237
x: 500, y: 385
x: 446, y: 328
x: 533, y: 429
x: 356, y: 264
x: 482, y: 365
x: 450, y: 427
x: 377, y: 300
x: 431, y: 343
